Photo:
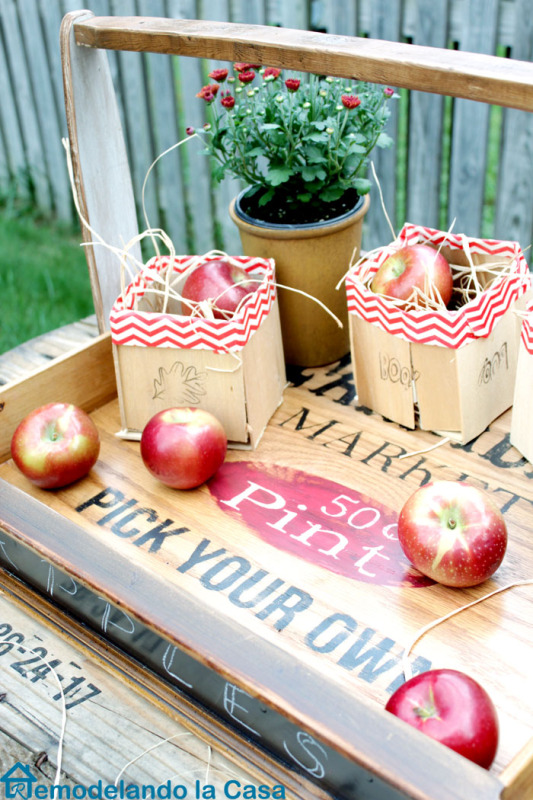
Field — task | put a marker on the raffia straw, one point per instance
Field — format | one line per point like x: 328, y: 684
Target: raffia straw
x: 382, y: 200
x: 66, y: 144
x: 123, y: 254
x: 368, y: 256
x: 148, y: 750
x: 406, y: 666
x: 445, y: 440
x: 150, y: 168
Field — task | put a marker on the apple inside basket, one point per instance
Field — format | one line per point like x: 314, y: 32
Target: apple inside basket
x: 233, y: 368
x: 449, y: 370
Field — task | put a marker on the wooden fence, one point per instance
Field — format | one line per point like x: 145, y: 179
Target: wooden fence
x: 452, y: 159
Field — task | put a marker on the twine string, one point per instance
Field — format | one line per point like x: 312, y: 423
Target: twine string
x: 406, y: 665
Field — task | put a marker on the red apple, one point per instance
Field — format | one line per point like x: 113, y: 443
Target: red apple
x: 417, y: 265
x: 183, y: 447
x: 56, y: 444
x: 223, y: 284
x: 453, y: 533
x: 452, y: 708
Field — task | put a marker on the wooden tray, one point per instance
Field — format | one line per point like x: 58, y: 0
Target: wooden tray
x: 294, y: 642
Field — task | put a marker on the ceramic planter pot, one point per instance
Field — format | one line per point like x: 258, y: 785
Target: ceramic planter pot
x: 312, y: 258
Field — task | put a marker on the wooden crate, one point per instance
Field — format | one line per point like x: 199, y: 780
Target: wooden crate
x: 275, y: 598
x: 521, y: 424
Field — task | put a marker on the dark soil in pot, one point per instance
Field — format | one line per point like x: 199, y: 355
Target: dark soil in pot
x: 279, y: 212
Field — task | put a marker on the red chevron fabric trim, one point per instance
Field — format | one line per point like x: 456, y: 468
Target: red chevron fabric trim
x: 151, y: 329
x: 527, y: 329
x: 444, y: 328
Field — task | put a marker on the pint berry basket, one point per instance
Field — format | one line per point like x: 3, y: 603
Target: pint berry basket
x: 233, y: 368
x: 447, y: 371
x: 521, y: 422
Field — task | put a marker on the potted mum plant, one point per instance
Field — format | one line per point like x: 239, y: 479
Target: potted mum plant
x: 301, y: 146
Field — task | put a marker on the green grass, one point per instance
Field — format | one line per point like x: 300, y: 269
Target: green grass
x: 44, y: 281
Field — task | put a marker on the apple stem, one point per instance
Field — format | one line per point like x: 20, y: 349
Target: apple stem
x: 429, y: 711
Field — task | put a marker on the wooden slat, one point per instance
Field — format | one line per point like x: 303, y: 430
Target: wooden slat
x: 50, y: 124
x: 337, y: 16
x: 104, y: 188
x: 384, y: 25
x: 471, y: 127
x: 518, y: 776
x: 514, y: 201
x: 167, y: 174
x: 85, y: 377
x: 460, y: 74
x: 38, y: 352
x: 138, y: 124
x: 425, y: 124
x: 224, y: 192
x: 34, y: 164
x: 50, y: 16
x: 13, y: 157
x: 198, y: 188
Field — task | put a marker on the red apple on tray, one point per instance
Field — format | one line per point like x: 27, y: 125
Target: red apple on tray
x: 413, y: 267
x: 183, y: 447
x: 56, y: 444
x: 223, y: 284
x: 452, y: 708
x: 452, y: 533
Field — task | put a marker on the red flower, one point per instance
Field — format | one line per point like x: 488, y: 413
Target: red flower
x: 388, y: 91
x: 247, y: 77
x: 208, y: 93
x: 189, y: 131
x: 292, y: 84
x: 219, y: 75
x: 227, y: 101
x: 273, y: 72
x: 350, y: 101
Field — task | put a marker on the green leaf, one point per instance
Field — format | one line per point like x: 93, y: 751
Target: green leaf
x: 270, y: 126
x: 310, y: 173
x: 384, y: 140
x: 277, y: 175
x: 331, y: 193
x: 255, y: 151
x: 362, y: 185
x: 314, y: 154
x: 266, y: 198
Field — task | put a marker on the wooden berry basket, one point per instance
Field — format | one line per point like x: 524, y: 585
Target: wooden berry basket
x: 274, y: 603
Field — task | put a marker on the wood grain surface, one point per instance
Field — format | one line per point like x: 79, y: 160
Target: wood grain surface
x: 431, y: 69
x: 112, y: 732
x: 345, y: 627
